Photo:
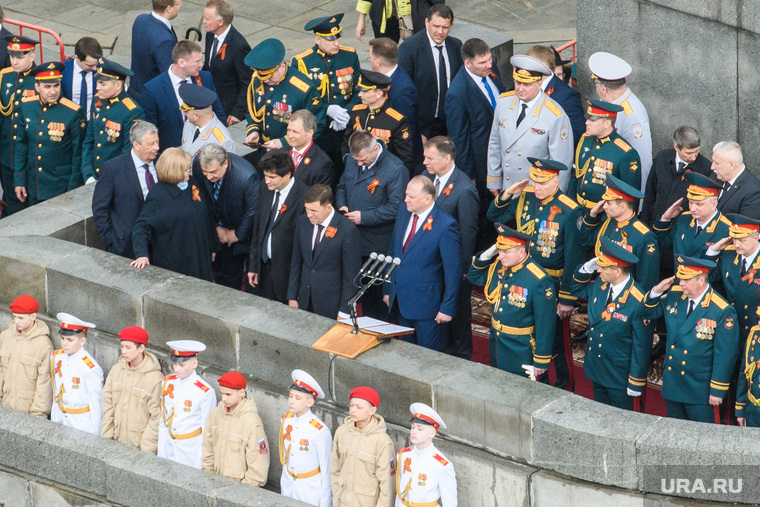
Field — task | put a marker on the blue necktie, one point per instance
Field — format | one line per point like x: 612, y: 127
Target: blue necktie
x: 490, y: 92
x: 83, y: 91
x: 217, y: 186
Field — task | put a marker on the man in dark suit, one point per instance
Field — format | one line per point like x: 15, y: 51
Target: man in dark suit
x: 432, y: 59
x: 280, y: 205
x: 226, y: 48
x: 153, y: 39
x: 5, y: 60
x: 312, y: 165
x: 79, y: 73
x: 160, y: 99
x: 122, y: 188
x: 233, y: 187
x: 326, y: 257
x: 423, y: 289
x: 456, y: 195
x: 741, y: 188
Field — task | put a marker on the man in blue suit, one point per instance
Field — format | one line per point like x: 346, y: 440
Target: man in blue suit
x: 122, y: 188
x: 153, y: 39
x: 423, y: 289
x: 79, y: 73
x: 421, y: 56
x: 160, y: 99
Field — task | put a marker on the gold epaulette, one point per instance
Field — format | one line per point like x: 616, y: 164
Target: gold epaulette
x: 567, y: 201
x: 304, y: 54
x: 537, y: 272
x: 30, y: 98
x: 686, y: 213
x: 636, y: 293
x: 725, y: 220
x: 529, y: 190
x: 347, y: 48
x: 298, y: 84
x: 128, y: 103
x: 641, y: 227
x: 554, y: 108
x: 627, y: 109
x: 6, y: 70
x: 620, y: 143
x: 68, y: 103
x: 394, y: 114
x: 359, y: 107
x: 507, y: 94
x: 676, y: 288
x: 218, y: 134
x: 719, y: 301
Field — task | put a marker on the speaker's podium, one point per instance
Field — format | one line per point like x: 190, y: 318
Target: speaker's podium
x: 348, y: 340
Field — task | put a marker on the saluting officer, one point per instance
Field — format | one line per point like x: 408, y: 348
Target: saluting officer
x: 701, y: 226
x: 619, y: 338
x: 112, y: 115
x: 520, y: 332
x: 47, y: 158
x: 77, y: 378
x: 335, y: 71
x: 186, y: 401
x: 702, y: 344
x: 202, y: 126
x: 545, y: 213
x: 602, y: 151
x: 375, y: 115
x: 424, y: 476
x: 305, y: 445
x: 622, y: 226
x: 275, y: 93
x: 16, y: 83
x: 748, y: 390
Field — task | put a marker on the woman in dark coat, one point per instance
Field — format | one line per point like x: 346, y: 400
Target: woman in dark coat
x: 174, y: 221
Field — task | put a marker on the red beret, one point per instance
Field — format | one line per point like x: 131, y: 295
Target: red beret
x: 232, y: 380
x: 366, y: 393
x: 24, y: 304
x: 134, y: 334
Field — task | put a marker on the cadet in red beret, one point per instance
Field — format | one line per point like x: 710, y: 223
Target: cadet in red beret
x: 362, y: 433
x: 235, y: 416
x: 128, y: 416
x: 26, y: 338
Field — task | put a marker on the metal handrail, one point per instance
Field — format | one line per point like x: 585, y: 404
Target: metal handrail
x: 40, y: 30
x: 572, y: 44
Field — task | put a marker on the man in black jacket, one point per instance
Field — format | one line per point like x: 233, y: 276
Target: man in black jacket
x: 233, y: 187
x: 741, y: 188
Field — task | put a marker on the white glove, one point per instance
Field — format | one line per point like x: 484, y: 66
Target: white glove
x: 90, y: 181
x: 590, y: 266
x: 529, y: 371
x: 338, y: 113
x: 337, y: 125
x: 488, y: 254
x: 632, y: 393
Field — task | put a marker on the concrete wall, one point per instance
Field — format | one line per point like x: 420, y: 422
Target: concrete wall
x: 694, y: 62
x: 512, y: 441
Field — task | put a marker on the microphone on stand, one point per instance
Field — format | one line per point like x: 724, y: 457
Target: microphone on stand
x: 380, y: 258
x: 387, y: 260
x: 369, y: 261
x: 396, y: 263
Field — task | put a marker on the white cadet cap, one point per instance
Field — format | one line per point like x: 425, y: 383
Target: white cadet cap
x: 528, y: 69
x: 71, y: 325
x: 424, y: 414
x: 608, y: 66
x: 182, y: 350
x: 304, y: 382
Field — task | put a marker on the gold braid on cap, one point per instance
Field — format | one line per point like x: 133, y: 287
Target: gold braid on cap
x: 686, y: 272
x: 697, y: 193
x: 505, y: 243
x: 739, y: 231
x: 541, y: 175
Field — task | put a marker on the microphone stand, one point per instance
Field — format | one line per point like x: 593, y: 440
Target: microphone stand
x: 373, y: 280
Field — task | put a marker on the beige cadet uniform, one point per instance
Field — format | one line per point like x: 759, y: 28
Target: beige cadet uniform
x: 130, y: 403
x: 363, y: 465
x: 234, y: 444
x: 24, y: 369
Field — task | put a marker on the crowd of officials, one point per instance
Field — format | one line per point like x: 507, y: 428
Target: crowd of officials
x: 545, y: 200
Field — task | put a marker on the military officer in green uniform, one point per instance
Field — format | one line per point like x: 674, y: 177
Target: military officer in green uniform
x: 694, y: 230
x: 521, y: 295
x: 702, y: 344
x: 619, y: 338
x: 614, y: 216
x: 748, y: 391
x: 113, y: 114
x: 335, y: 71
x: 374, y: 115
x: 15, y: 84
x: 276, y: 91
x: 49, y: 131
x: 600, y: 152
x: 549, y: 217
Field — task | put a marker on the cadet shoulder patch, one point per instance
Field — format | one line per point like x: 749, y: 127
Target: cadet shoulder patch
x: 202, y: 386
x: 304, y: 54
x: 627, y: 109
x: 71, y: 105
x: 288, y: 415
x: 359, y: 107
x: 728, y: 323
x: 88, y: 362
x: 170, y: 377
x: 567, y: 201
x: 298, y: 84
x: 129, y: 104
x: 316, y: 424
x: 56, y: 352
x: 406, y: 449
x: 507, y: 94
x: 536, y: 271
x: 347, y: 48
x: 441, y: 459
x: 636, y: 293
x: 218, y: 134
x: 641, y: 227
x: 554, y: 108
x: 651, y: 248
x: 620, y: 143
x: 394, y: 114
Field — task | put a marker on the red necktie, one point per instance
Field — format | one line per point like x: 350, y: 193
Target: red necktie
x: 296, y: 157
x: 411, y: 233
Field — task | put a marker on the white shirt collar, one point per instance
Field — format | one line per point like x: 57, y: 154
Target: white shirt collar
x: 751, y: 257
x: 545, y: 83
x: 305, y: 148
x: 703, y: 225
x: 423, y: 215
x: 137, y: 161
x: 733, y: 180
x: 285, y: 191
x: 175, y: 79
x: 530, y: 103
x: 327, y: 220
x: 433, y: 43
x: 697, y: 300
x: 378, y: 156
x: 445, y: 178
x: 617, y: 289
x: 162, y: 19
x: 220, y: 38
x: 390, y: 73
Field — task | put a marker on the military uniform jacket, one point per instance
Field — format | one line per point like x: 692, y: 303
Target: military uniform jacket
x: 25, y: 369
x: 108, y: 132
x: 335, y: 76
x: 13, y: 88
x: 185, y: 406
x: 544, y: 133
x: 619, y: 338
x: 552, y: 223
x: 270, y: 107
x: 214, y: 132
x: 425, y: 477
x: 387, y: 125
x: 748, y: 385
x: 632, y: 232
x: 595, y: 158
x: 521, y: 298
x: 77, y: 381
x: 305, y: 451
x: 48, y: 152
x: 685, y: 239
x: 701, y: 350
x: 740, y: 290
x: 633, y: 126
